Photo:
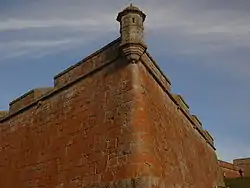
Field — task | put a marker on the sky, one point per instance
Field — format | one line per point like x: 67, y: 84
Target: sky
x: 202, y: 46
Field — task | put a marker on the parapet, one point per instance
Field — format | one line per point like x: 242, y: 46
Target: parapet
x: 208, y: 136
x: 3, y: 113
x: 243, y: 163
x: 181, y: 102
x: 242, y: 160
x: 156, y: 72
x: 197, y: 125
x: 27, y: 99
x: 93, y: 62
x: 227, y: 165
x: 196, y: 120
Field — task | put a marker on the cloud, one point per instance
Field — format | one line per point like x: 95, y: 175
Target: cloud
x: 90, y: 23
x: 22, y: 48
x: 33, y: 43
x: 201, y: 29
x: 37, y: 36
x: 15, y: 24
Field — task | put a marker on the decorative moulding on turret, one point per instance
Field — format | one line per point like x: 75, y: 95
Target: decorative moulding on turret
x: 131, y: 29
x: 131, y: 9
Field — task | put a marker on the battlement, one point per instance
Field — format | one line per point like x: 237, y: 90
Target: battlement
x: 155, y: 71
x: 184, y: 107
x: 243, y: 163
x: 181, y: 102
x: 3, y: 113
x: 27, y: 99
x: 196, y: 120
x: 209, y: 138
x: 93, y: 62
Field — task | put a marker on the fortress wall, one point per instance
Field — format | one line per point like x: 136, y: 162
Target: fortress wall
x: 77, y: 135
x: 3, y: 114
x: 229, y: 170
x: 244, y: 164
x: 113, y: 124
x: 179, y: 154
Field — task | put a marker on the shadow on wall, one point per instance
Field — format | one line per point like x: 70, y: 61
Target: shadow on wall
x: 243, y: 182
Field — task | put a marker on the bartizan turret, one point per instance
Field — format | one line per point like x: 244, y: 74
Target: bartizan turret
x: 131, y: 28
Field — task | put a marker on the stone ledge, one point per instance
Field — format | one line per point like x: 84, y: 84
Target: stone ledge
x: 155, y: 71
x: 181, y: 102
x: 196, y: 120
x: 3, y: 113
x: 88, y: 64
x: 208, y: 137
x: 27, y: 99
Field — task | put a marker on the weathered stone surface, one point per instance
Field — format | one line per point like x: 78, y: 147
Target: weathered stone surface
x: 244, y: 164
x: 178, y: 151
x: 236, y: 174
x: 108, y: 122
x: 78, y: 136
x: 229, y: 170
x: 27, y: 99
x: 196, y: 121
x: 3, y: 113
x: 181, y: 103
x: 93, y: 62
x: 131, y: 28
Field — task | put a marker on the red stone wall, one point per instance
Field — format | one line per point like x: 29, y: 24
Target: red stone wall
x: 110, y: 126
x: 244, y: 164
x: 76, y: 137
x: 176, y: 152
x: 229, y: 170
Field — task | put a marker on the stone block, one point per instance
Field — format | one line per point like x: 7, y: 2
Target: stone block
x: 181, y: 102
x: 27, y: 99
